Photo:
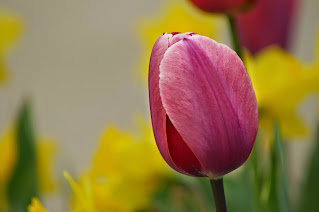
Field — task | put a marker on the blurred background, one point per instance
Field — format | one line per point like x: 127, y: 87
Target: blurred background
x: 78, y: 62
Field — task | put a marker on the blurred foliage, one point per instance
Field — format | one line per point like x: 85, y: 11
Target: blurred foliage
x: 45, y: 153
x: 309, y: 196
x: 278, y: 199
x: 25, y: 165
x: 23, y: 184
x: 10, y: 29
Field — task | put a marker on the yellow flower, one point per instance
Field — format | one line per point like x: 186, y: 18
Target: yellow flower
x: 125, y: 173
x: 36, y: 206
x: 176, y: 16
x: 281, y: 83
x: 45, y: 151
x: 10, y: 29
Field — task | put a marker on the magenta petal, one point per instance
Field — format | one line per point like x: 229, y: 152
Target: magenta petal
x: 209, y: 99
x: 158, y: 114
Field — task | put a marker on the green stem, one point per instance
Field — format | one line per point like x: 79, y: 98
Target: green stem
x: 234, y: 35
x: 219, y: 195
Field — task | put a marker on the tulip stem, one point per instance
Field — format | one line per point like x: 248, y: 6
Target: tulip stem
x: 234, y: 35
x: 219, y: 195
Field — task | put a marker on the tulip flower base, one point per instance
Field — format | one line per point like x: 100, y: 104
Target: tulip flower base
x: 219, y: 194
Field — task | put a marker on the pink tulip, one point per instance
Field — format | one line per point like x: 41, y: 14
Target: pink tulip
x: 223, y: 6
x: 203, y: 107
x: 267, y: 24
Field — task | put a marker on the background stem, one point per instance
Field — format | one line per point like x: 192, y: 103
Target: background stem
x: 234, y: 35
x: 219, y: 195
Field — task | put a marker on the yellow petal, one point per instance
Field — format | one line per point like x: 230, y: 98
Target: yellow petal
x: 3, y: 70
x: 281, y: 83
x: 124, y: 163
x: 36, y: 206
x: 46, y: 151
x: 10, y: 29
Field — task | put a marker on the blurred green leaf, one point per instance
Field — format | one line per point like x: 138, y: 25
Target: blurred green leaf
x: 23, y: 182
x: 278, y: 193
x: 309, y: 197
x: 183, y: 194
x: 258, y: 176
x: 239, y: 190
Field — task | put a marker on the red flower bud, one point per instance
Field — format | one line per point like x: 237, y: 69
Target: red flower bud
x: 266, y: 24
x: 223, y: 6
x: 203, y: 107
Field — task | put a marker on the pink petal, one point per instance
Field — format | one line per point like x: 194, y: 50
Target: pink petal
x: 209, y: 99
x: 158, y: 113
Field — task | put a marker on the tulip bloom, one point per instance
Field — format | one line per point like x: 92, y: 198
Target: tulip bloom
x: 267, y: 24
x: 223, y: 6
x: 203, y: 107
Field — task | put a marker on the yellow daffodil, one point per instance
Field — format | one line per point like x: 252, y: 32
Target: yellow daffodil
x: 10, y: 29
x: 124, y: 175
x: 176, y: 16
x: 36, y: 206
x: 281, y: 83
x: 45, y: 151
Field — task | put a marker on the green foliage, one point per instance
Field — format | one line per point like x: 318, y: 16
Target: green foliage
x: 23, y: 182
x: 239, y: 190
x: 278, y: 194
x: 183, y: 194
x: 310, y: 194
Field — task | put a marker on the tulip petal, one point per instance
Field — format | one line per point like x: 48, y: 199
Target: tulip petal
x: 209, y: 99
x: 181, y: 154
x: 158, y: 114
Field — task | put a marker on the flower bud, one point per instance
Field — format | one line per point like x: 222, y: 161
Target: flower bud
x: 223, y: 6
x: 203, y: 107
x: 268, y: 23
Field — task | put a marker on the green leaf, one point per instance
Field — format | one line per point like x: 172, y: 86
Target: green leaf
x: 183, y: 194
x: 278, y: 194
x: 309, y: 198
x: 23, y: 182
x: 239, y: 190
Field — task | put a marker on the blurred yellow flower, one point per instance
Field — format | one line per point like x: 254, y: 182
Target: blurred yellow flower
x: 175, y: 16
x: 45, y: 151
x: 36, y: 206
x: 281, y: 83
x: 125, y: 172
x: 10, y: 29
